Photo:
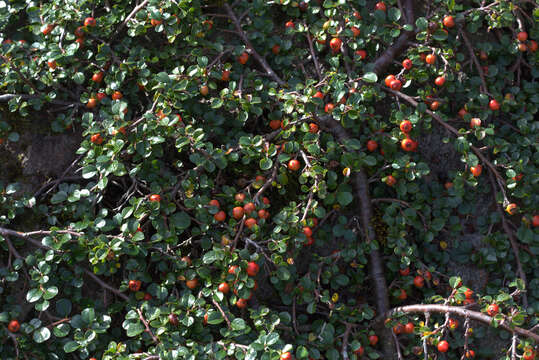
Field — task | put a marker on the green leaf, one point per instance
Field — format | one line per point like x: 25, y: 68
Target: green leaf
x: 422, y: 24
x: 302, y: 352
x: 41, y: 335
x: 283, y: 273
x: 238, y: 324
x: 266, y: 163
x: 88, y: 315
x: 180, y: 220
x: 344, y: 198
x: 71, y: 346
x: 454, y: 281
x: 61, y: 330
x: 78, y: 78
x: 394, y: 14
x: 34, y: 295
x: 50, y: 292
x: 134, y: 329
x: 370, y: 77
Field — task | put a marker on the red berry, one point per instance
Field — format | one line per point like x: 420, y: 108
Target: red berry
x: 372, y: 145
x: 90, y: 21
x: 405, y: 126
x: 492, y: 309
x: 14, y: 326
x: 522, y: 36
x: 494, y: 105
x: 294, y: 165
x: 449, y: 21
x: 419, y: 281
x: 380, y: 6
x: 155, y: 198
x: 335, y: 44
x: 443, y: 346
x: 224, y: 288
x: 252, y: 268
x: 476, y: 170
x: 373, y: 340
x: 440, y: 81
x: 407, y: 64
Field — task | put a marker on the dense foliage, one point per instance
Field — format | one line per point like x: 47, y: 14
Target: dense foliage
x: 273, y: 179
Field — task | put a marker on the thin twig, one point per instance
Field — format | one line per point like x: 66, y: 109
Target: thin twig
x: 105, y: 285
x: 147, y: 326
x: 248, y: 44
x: 474, y: 315
x: 313, y: 55
x: 344, y: 348
x: 130, y: 16
x: 475, y: 60
x: 222, y: 313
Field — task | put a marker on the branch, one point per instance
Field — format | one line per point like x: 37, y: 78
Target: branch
x: 474, y: 58
x: 511, y: 236
x: 398, y: 46
x: 105, y: 285
x: 247, y: 43
x: 474, y: 315
x: 451, y: 129
x: 130, y: 16
x: 361, y: 193
x: 148, y: 330
x: 267, y: 183
x: 344, y: 349
x: 21, y: 75
x: 222, y: 313
x: 313, y: 55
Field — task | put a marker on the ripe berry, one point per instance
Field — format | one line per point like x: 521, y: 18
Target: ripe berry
x: 535, y: 221
x: 390, y: 180
x: 522, y: 36
x: 443, y: 346
x: 226, y: 75
x: 98, y: 77
x: 313, y: 128
x: 419, y: 281
x: 92, y: 103
x: 286, y: 356
x: 48, y: 29
x: 116, y: 95
x: 318, y: 95
x: 475, y: 122
x: 402, y: 295
x: 243, y: 58
x: 250, y: 222
x: 404, y: 272
x: 532, y: 46
x: 492, y: 309
x: 362, y: 54
x: 13, y: 326
x: 204, y: 90
x: 434, y: 105
x: 241, y: 303
x: 100, y: 96
x: 430, y: 59
x: 294, y: 165
x: 90, y: 21
x: 449, y: 21
x: 511, y: 209
x: 476, y: 170
x: 395, y: 85
x: 329, y: 107
x: 155, y: 198
x: 275, y: 124
x: 440, y: 81
x: 494, y: 105
x: 96, y: 139
x: 409, y: 328
x: 134, y: 285
x: 356, y: 31
x: 252, y: 268
x: 372, y: 145
x: 52, y: 64
x: 335, y: 44
x: 155, y: 22
x: 224, y: 288
x: 453, y: 324
x: 220, y: 216
x: 405, y: 126
x: 373, y: 340
x: 237, y: 212
x: 389, y: 79
x: 173, y: 319
x: 249, y: 208
x: 360, y: 351
x: 407, y: 64
x: 470, y: 354
x: 289, y: 24
x: 275, y: 49
x: 214, y: 203
x: 407, y: 145
x: 380, y: 6
x: 468, y: 293
x: 191, y: 284
x: 398, y: 329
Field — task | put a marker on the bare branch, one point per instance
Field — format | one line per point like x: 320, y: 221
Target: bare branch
x: 247, y: 43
